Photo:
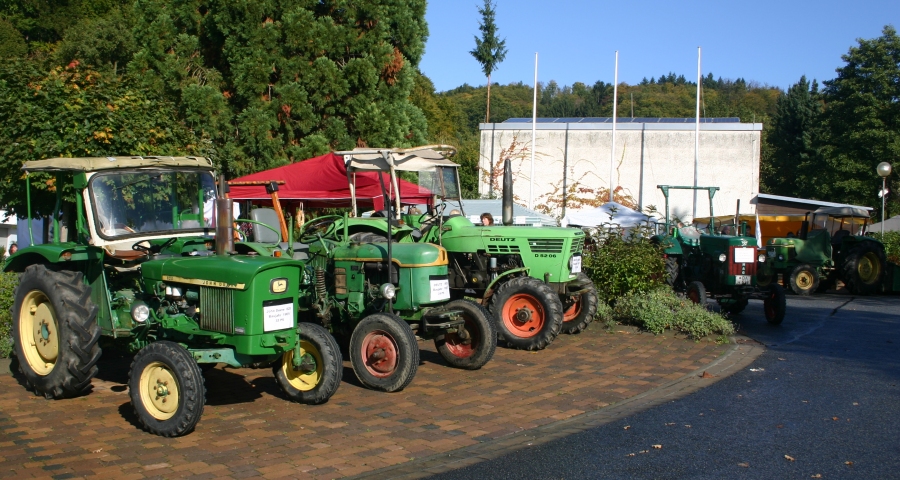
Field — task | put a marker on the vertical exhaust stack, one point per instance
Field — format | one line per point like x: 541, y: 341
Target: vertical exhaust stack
x: 224, y: 222
x: 507, y: 193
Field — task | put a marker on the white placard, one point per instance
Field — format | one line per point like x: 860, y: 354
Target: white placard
x: 745, y: 255
x: 440, y: 290
x: 278, y: 317
x: 576, y: 264
x: 520, y: 220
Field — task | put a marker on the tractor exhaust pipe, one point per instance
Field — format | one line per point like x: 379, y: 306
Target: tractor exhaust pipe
x: 507, y: 193
x: 224, y: 222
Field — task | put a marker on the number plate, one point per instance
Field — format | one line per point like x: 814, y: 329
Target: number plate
x: 576, y: 264
x: 742, y: 279
x: 278, y: 317
x: 440, y: 290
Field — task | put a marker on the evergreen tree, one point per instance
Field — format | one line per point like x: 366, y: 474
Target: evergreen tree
x: 795, y: 140
x: 489, y: 50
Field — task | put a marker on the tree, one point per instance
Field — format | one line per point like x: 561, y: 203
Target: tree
x: 489, y: 50
x: 862, y: 119
x: 795, y: 139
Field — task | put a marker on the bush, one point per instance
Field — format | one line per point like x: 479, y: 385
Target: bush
x: 8, y: 283
x: 620, y: 265
x: 891, y: 242
x: 660, y: 309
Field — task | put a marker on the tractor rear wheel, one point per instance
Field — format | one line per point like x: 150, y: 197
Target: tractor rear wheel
x: 775, y: 305
x: 672, y: 270
x: 581, y: 308
x: 55, y: 331
x: 528, y: 313
x: 166, y: 389
x: 804, y: 279
x: 384, y: 352
x: 473, y: 347
x: 696, y: 292
x: 864, y: 267
x: 321, y: 377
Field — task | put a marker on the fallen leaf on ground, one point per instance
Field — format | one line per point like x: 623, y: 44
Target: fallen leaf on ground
x: 657, y: 447
x: 644, y: 451
x: 687, y: 426
x: 97, y: 450
x: 849, y: 464
x: 757, y: 369
x: 855, y: 403
x: 707, y: 375
x: 818, y: 475
x: 781, y: 358
x: 779, y: 426
x: 789, y: 458
x: 630, y: 455
x: 744, y: 464
x: 626, y: 427
x: 835, y: 418
x: 673, y: 423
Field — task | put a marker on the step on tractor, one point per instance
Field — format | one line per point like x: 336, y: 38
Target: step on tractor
x: 831, y: 245
x: 529, y: 278
x: 710, y: 264
x: 135, y: 262
x: 377, y: 296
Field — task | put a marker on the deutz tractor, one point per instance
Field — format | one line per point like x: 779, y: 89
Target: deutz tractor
x: 711, y: 265
x: 815, y: 257
x: 530, y: 278
x: 377, y: 296
x: 133, y: 259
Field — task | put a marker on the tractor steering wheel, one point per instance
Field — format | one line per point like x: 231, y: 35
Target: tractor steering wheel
x: 153, y: 249
x: 323, y: 226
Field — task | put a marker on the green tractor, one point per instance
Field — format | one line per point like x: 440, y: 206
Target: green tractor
x: 530, y: 278
x: 714, y: 265
x: 377, y: 296
x: 816, y: 257
x: 133, y: 260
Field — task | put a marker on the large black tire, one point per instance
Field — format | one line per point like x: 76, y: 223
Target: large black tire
x: 384, y: 352
x: 775, y: 304
x: 581, y: 308
x: 696, y: 292
x: 528, y: 313
x: 55, y: 332
x: 733, y: 306
x: 477, y: 348
x: 160, y: 371
x: 316, y: 385
x: 863, y: 268
x: 673, y: 268
x: 804, y: 279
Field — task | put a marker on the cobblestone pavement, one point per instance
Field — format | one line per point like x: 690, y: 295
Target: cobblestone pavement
x: 248, y: 429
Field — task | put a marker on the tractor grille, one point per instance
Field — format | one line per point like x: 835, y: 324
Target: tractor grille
x: 735, y: 268
x: 577, y: 245
x: 497, y: 249
x: 217, y: 309
x: 546, y: 245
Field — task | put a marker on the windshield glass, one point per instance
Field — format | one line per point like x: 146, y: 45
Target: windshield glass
x: 441, y: 181
x: 147, y: 202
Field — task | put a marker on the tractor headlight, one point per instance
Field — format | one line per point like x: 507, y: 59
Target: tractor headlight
x: 723, y: 257
x: 140, y: 312
x: 762, y: 258
x: 781, y: 258
x: 388, y: 291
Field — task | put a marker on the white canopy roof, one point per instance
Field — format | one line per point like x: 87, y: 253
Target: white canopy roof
x: 623, y: 216
x: 415, y: 159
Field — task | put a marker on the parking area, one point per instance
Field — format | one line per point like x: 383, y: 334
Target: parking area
x: 248, y: 429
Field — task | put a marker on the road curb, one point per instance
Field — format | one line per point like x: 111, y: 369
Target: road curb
x: 742, y: 353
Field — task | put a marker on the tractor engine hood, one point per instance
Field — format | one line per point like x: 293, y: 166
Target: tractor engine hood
x: 217, y: 271
x: 724, y: 241
x: 405, y: 254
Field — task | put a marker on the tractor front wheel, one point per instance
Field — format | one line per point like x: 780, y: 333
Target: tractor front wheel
x: 319, y: 376
x: 384, y: 352
x: 804, y: 279
x: 472, y: 346
x: 166, y: 389
x: 864, y: 267
x: 697, y: 293
x: 581, y: 308
x: 55, y: 332
x: 775, y: 305
x: 528, y: 313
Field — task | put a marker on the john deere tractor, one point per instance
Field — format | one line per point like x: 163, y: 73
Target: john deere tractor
x: 708, y: 264
x: 530, y: 278
x: 134, y: 258
x: 816, y: 257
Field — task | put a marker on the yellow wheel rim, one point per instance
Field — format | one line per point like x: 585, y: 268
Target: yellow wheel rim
x: 38, y: 332
x: 805, y: 279
x: 300, y: 380
x: 159, y: 391
x: 869, y: 268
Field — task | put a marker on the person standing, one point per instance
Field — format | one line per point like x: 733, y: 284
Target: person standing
x: 487, y: 219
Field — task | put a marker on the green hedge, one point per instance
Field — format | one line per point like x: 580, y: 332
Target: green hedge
x: 661, y: 309
x: 8, y: 283
x: 891, y: 242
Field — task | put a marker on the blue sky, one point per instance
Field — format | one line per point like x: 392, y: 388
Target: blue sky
x: 770, y: 42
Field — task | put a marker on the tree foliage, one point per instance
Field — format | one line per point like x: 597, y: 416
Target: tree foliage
x: 795, y: 133
x: 489, y: 49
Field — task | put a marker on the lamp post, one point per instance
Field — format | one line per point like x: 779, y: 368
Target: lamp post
x: 884, y: 170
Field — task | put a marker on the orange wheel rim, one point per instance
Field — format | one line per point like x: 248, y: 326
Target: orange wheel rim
x: 380, y: 353
x: 572, y: 312
x: 523, y: 315
x: 694, y: 295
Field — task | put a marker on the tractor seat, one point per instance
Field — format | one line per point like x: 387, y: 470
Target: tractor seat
x: 839, y: 236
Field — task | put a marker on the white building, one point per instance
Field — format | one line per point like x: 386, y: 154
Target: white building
x: 8, y: 230
x: 649, y: 152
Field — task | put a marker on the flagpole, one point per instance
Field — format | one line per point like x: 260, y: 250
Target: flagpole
x: 612, y: 150
x: 697, y: 135
x: 533, y: 133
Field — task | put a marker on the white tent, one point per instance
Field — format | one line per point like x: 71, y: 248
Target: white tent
x: 603, y: 215
x: 890, y: 225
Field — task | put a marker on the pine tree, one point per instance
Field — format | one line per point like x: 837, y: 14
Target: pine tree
x: 489, y: 50
x: 795, y: 138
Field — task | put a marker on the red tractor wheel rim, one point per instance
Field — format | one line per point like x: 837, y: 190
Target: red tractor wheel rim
x: 459, y: 347
x: 694, y: 295
x: 379, y: 353
x: 523, y: 315
x: 769, y: 306
x: 572, y: 312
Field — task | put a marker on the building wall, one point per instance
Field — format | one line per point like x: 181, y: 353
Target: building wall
x: 647, y: 155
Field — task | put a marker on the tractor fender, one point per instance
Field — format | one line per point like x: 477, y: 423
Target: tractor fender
x: 668, y: 244
x: 489, y: 291
x: 49, y: 254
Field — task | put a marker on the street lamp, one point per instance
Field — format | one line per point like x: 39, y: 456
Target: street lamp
x: 884, y: 171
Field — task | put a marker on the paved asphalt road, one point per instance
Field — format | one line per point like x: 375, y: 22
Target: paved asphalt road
x: 821, y: 402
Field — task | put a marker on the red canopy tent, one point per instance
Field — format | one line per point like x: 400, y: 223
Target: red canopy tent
x: 321, y: 182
